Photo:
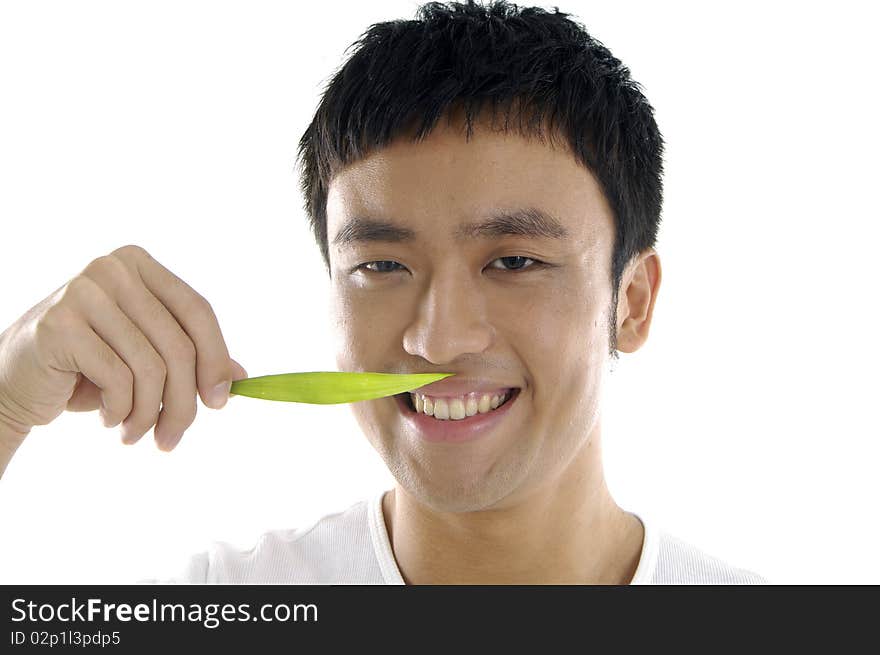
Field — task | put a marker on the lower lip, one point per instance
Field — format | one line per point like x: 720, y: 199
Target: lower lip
x: 466, y: 429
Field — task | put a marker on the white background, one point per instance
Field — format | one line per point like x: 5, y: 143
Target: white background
x: 743, y: 426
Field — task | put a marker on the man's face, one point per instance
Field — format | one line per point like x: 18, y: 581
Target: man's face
x: 481, y: 307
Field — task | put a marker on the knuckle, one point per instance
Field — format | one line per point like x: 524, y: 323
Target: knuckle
x: 94, y: 267
x: 130, y: 250
x: 45, y: 329
x: 185, y: 351
x: 109, y: 270
x: 206, y: 305
x: 156, y: 312
x: 51, y: 329
x: 56, y: 319
x: 77, y: 288
x: 155, y: 368
x: 114, y: 265
x: 119, y: 368
x: 103, y: 261
x: 197, y: 305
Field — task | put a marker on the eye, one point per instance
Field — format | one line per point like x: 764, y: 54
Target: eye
x: 517, y: 262
x: 382, y: 268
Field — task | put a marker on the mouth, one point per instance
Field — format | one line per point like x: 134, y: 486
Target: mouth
x: 464, y: 430
x: 405, y: 400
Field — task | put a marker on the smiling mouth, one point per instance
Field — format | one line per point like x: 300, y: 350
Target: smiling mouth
x: 406, y: 399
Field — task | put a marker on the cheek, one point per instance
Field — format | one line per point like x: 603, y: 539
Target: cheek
x: 562, y: 341
x: 562, y: 330
x: 364, y: 331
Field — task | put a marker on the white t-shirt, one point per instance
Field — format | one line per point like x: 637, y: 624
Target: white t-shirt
x: 352, y: 547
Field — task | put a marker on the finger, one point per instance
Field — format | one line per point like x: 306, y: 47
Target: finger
x: 84, y: 351
x: 195, y: 316
x: 86, y: 396
x: 176, y: 350
x: 146, y: 365
x: 103, y: 365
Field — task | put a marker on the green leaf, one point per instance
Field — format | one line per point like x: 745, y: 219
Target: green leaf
x: 331, y: 387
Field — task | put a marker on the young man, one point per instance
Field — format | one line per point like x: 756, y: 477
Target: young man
x: 514, y: 249
x: 484, y: 183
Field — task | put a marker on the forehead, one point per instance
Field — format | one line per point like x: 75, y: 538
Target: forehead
x: 447, y: 181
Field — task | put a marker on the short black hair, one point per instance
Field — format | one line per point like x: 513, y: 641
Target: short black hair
x: 543, y: 65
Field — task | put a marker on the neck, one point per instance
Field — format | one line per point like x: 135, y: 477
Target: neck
x: 567, y: 531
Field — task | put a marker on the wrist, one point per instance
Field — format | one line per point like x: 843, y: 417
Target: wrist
x: 12, y: 433
x: 10, y: 439
x: 8, y: 425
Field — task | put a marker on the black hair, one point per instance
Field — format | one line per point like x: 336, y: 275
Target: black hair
x: 543, y: 65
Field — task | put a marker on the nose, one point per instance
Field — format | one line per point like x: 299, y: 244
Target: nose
x: 451, y: 319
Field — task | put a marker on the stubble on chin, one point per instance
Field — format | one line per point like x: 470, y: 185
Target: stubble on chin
x: 454, y: 484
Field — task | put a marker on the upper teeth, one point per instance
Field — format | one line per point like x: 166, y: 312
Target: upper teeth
x: 459, y: 407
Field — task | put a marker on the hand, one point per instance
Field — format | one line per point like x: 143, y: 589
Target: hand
x: 124, y: 335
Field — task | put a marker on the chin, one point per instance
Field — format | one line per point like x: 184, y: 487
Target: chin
x: 443, y: 494
x: 448, y: 484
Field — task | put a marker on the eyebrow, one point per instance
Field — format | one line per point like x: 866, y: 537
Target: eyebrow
x: 527, y: 222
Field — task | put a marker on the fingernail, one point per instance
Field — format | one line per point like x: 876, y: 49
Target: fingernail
x: 104, y: 418
x: 127, y: 433
x: 219, y: 395
x: 166, y: 443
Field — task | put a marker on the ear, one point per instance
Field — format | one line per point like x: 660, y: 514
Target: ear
x: 635, y: 304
